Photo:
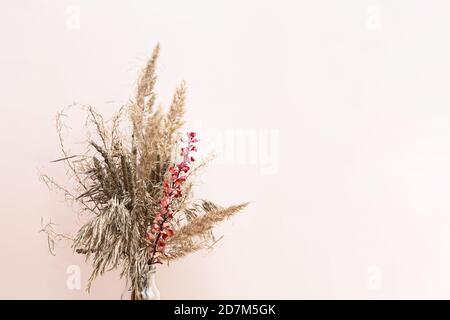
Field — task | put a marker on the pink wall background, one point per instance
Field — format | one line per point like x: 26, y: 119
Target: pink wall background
x: 345, y: 106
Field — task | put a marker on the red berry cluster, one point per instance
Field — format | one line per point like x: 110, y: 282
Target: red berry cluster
x: 160, y: 229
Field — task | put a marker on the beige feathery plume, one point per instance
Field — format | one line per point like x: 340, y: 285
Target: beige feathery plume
x: 145, y: 96
x: 203, y: 224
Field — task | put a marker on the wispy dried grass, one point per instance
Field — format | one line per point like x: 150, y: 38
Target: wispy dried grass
x: 118, y: 180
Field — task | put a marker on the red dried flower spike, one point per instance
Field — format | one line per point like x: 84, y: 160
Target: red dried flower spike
x: 160, y: 229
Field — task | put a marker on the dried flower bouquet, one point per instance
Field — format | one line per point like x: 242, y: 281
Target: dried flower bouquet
x: 136, y: 184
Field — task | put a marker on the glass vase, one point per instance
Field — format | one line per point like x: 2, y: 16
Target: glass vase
x: 150, y: 291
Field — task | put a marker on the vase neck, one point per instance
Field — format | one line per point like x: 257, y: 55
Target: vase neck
x: 152, y: 279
